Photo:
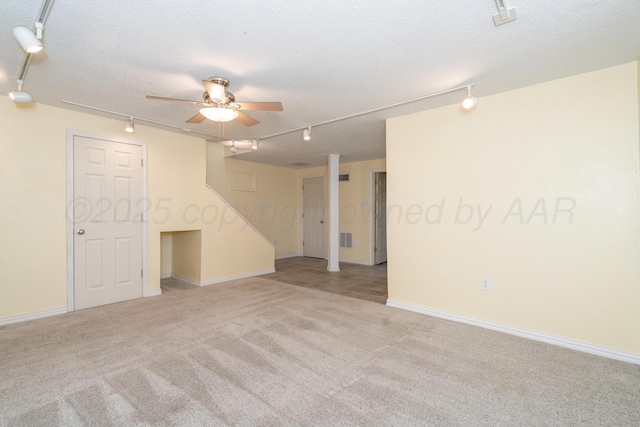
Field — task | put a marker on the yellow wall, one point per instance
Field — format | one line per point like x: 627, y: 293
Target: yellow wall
x: 33, y: 144
x: 355, y: 205
x: 186, y: 255
x: 275, y: 208
x: 166, y: 254
x: 553, y: 171
x: 177, y: 176
x: 272, y: 209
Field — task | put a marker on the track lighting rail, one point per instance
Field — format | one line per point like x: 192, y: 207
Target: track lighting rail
x: 375, y: 110
x: 141, y: 119
x: 306, y: 129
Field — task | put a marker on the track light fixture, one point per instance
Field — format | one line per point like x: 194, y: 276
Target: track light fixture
x: 470, y: 101
x: 254, y: 144
x: 29, y: 42
x: 129, y: 126
x: 19, y: 96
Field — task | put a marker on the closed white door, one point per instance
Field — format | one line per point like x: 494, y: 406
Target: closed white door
x: 107, y: 195
x: 313, y: 217
x: 381, y: 217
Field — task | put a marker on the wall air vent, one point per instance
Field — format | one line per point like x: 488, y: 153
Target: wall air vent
x: 299, y: 164
x: 343, y: 177
x: 346, y: 240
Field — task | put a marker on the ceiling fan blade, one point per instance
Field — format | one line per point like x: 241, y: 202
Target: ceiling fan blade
x: 264, y: 106
x: 198, y: 118
x: 246, y: 120
x: 161, y: 98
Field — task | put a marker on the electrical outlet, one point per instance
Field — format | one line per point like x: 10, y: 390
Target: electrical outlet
x: 355, y: 243
x: 485, y: 284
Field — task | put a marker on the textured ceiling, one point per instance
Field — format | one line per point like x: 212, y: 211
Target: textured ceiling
x: 322, y: 60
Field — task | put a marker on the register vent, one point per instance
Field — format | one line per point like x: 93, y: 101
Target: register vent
x: 343, y: 177
x: 346, y: 240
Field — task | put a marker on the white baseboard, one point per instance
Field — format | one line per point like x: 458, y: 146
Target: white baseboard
x: 153, y: 293
x: 288, y: 256
x: 524, y: 333
x: 222, y: 279
x: 185, y: 279
x: 350, y: 261
x: 165, y: 276
x: 32, y: 316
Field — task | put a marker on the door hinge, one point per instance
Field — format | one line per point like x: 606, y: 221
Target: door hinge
x: 141, y: 273
x: 141, y: 163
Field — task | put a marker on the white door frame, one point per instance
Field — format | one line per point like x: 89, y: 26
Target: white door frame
x: 301, y: 228
x: 372, y: 216
x: 70, y: 231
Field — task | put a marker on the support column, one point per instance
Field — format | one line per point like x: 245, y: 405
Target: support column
x: 334, y: 217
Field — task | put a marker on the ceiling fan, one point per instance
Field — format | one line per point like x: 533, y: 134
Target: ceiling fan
x: 220, y: 105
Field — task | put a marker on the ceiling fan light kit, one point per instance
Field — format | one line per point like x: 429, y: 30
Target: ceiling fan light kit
x: 218, y: 114
x: 220, y: 105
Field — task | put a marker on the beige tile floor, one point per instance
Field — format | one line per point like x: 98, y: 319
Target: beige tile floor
x: 358, y: 281
x: 353, y: 280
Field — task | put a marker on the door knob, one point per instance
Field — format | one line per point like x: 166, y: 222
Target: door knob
x: 81, y: 231
x: 321, y: 222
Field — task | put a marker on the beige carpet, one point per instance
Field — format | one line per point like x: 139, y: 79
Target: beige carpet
x: 259, y: 352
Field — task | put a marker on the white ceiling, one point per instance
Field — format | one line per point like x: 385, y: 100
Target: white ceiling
x: 322, y: 59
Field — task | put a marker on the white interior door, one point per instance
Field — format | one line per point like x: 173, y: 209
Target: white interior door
x: 313, y: 217
x: 381, y: 218
x: 107, y: 247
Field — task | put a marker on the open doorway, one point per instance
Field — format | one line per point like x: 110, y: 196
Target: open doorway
x: 379, y: 217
